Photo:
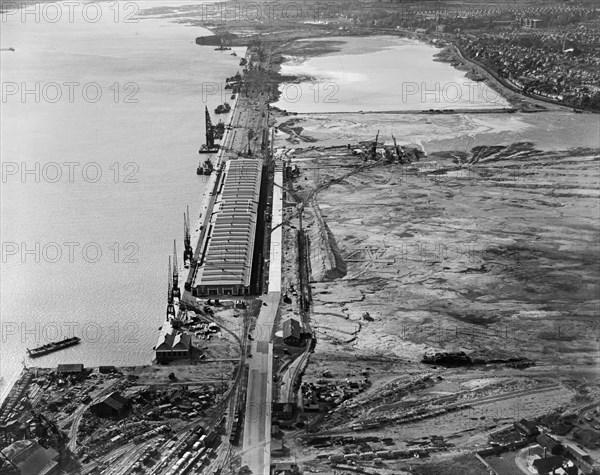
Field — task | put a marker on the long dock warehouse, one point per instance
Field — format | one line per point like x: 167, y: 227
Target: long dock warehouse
x: 226, y: 264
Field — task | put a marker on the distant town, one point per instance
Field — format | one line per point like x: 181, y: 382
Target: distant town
x: 549, y: 51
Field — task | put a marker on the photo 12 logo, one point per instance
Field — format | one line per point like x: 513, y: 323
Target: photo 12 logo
x: 320, y: 91
x: 68, y: 11
x: 69, y: 172
x: 69, y: 91
x: 269, y: 12
x: 39, y: 333
x: 449, y: 92
x: 73, y: 252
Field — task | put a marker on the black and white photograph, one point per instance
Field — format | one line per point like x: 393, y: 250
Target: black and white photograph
x: 280, y: 237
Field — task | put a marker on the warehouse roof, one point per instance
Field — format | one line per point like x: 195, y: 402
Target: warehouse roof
x: 115, y: 401
x: 228, y: 257
x: 170, y: 339
x: 69, y: 368
x: 548, y: 464
x: 30, y: 457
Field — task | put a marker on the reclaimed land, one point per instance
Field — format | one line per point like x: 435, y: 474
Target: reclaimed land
x: 489, y: 252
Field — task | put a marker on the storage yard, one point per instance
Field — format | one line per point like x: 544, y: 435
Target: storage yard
x: 74, y: 410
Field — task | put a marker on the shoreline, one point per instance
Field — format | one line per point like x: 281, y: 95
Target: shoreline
x: 108, y: 347
x: 516, y: 102
x: 499, y: 110
x: 449, y: 53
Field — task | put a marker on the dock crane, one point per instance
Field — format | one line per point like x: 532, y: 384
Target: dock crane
x: 210, y: 131
x: 188, y: 252
x: 209, y: 146
x: 400, y: 154
x: 176, y: 291
x: 51, y: 425
x: 373, y: 153
x: 170, y: 306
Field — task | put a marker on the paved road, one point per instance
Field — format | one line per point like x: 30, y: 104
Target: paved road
x: 257, y: 422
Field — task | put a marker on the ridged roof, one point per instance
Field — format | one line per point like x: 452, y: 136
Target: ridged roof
x: 228, y: 259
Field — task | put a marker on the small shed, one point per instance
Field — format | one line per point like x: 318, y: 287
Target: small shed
x: 292, y: 334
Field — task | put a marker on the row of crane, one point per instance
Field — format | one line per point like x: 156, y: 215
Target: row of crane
x: 395, y: 154
x: 174, y: 292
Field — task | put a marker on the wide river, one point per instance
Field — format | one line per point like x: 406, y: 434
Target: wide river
x: 98, y: 164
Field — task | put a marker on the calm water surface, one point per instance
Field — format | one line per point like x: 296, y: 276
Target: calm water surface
x: 132, y: 154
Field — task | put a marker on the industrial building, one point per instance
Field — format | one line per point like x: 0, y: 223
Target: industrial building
x: 114, y: 405
x: 527, y: 428
x: 294, y: 332
x: 285, y: 468
x: 30, y: 458
x: 226, y: 262
x: 172, y: 344
x: 70, y: 370
x: 551, y: 465
x: 551, y: 445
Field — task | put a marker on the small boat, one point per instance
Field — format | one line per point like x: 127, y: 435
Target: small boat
x: 206, y: 149
x: 223, y: 108
x: 54, y: 346
x: 205, y: 168
x: 208, y: 167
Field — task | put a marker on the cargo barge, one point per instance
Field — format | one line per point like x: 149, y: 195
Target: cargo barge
x: 54, y: 346
x: 205, y: 169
